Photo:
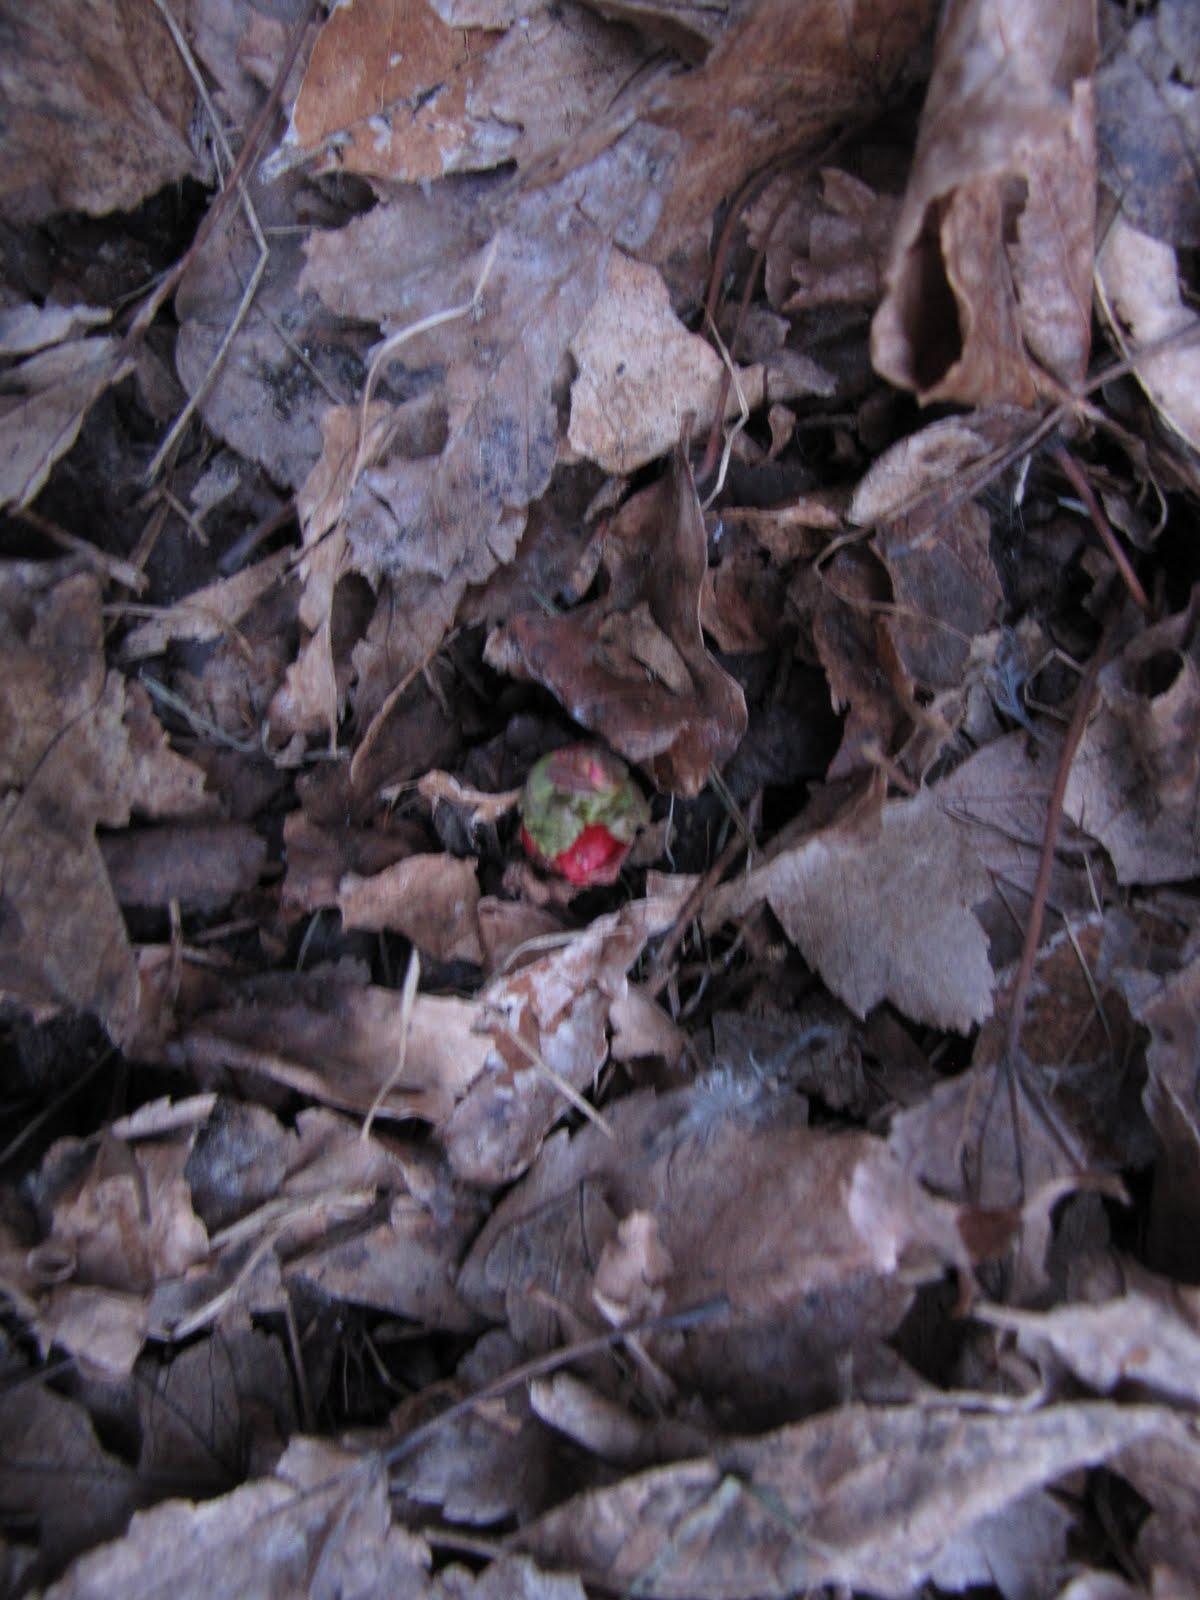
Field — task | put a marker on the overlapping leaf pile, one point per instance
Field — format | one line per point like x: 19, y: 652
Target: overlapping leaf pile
x: 395, y: 393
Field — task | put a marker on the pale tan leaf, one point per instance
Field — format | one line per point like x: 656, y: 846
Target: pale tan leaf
x: 432, y: 899
x: 1138, y: 285
x: 641, y: 373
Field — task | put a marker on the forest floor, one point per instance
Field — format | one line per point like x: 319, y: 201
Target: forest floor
x: 600, y: 827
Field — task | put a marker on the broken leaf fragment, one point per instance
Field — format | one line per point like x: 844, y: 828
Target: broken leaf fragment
x: 580, y: 812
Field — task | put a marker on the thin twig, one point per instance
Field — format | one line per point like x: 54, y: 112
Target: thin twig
x: 237, y: 182
x: 568, y: 1090
x: 408, y: 996
x: 539, y: 1366
x: 1075, y: 475
x: 1041, y: 884
x: 660, y: 970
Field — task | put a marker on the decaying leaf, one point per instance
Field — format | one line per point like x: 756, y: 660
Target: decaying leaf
x: 433, y: 899
x: 55, y: 1473
x: 546, y: 1026
x: 989, y: 284
x: 319, y: 1524
x: 809, y: 1240
x: 633, y: 666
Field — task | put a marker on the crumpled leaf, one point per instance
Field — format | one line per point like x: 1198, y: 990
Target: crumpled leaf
x: 547, y: 1030
x: 97, y: 106
x: 1135, y: 782
x: 879, y: 902
x: 440, y: 502
x: 989, y: 284
x: 857, y: 1496
x: 640, y: 372
x: 633, y: 666
x: 80, y: 747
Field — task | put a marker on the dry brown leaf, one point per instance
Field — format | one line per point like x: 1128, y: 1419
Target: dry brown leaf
x: 738, y: 111
x: 490, y: 1464
x: 319, y: 1525
x: 1138, y: 287
x: 338, y: 1041
x: 1135, y: 783
x: 395, y: 93
x: 28, y: 327
x: 815, y: 1241
x: 287, y: 361
x: 431, y: 899
x: 97, y: 107
x: 319, y: 858
x: 866, y: 1498
x: 217, y: 1412
x: 689, y: 27
x: 999, y: 798
x: 634, y: 666
x: 989, y: 285
x: 42, y: 406
x: 207, y: 613
x: 844, y: 600
x: 443, y: 503
x: 847, y: 246
x: 640, y: 373
x: 1149, y: 1336
x: 369, y: 1221
x: 54, y: 1472
x: 879, y: 902
x: 202, y: 865
x: 1148, y: 123
x: 80, y: 747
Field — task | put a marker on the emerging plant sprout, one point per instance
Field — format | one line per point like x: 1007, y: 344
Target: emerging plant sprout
x: 580, y: 811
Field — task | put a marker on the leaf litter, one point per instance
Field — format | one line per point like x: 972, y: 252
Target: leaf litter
x: 797, y: 1195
